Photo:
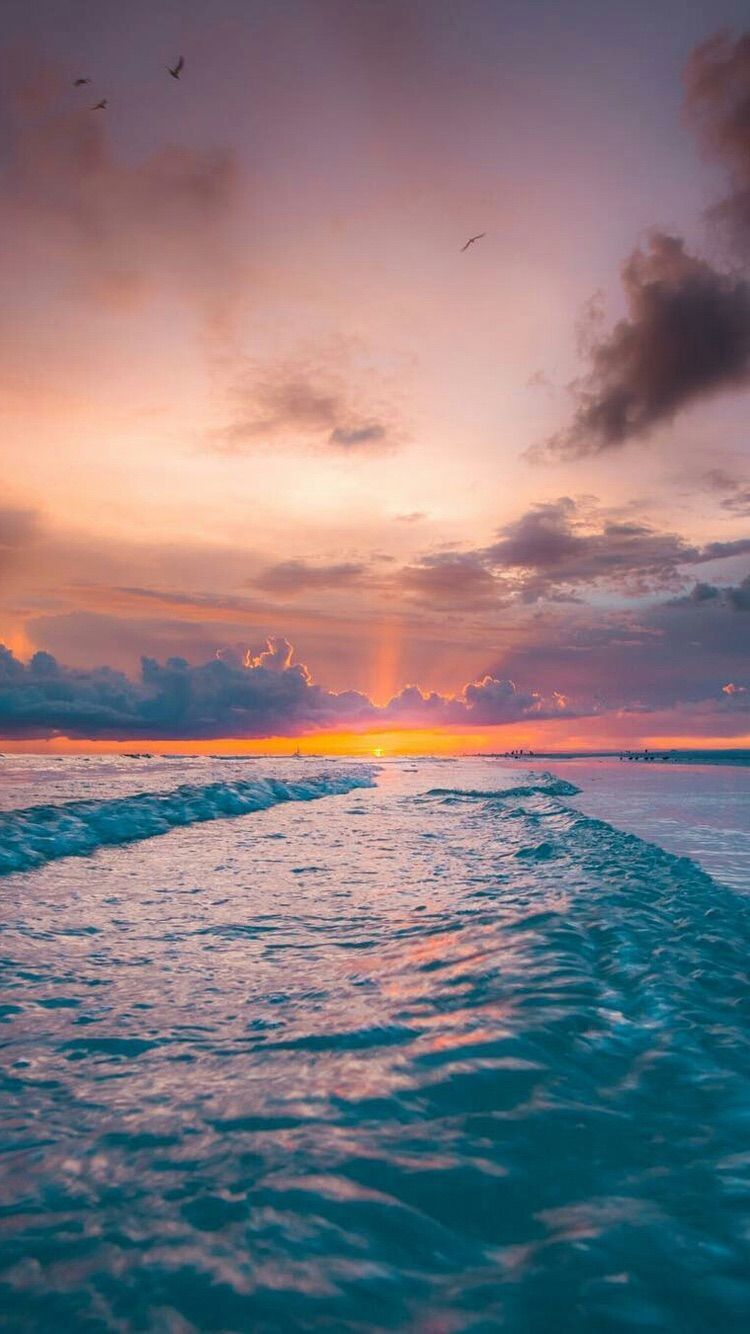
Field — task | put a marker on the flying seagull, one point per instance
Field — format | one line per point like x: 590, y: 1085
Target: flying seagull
x: 78, y: 83
x: 471, y: 240
x: 176, y: 72
x: 100, y: 106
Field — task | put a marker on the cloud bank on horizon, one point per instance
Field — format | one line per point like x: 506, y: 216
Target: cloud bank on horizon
x: 254, y: 696
x: 595, y: 616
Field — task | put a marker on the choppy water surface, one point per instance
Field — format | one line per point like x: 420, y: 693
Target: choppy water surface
x: 442, y: 1054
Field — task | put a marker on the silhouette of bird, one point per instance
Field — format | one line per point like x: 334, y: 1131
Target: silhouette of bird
x: 471, y: 240
x: 100, y: 106
x: 176, y: 72
x: 78, y: 83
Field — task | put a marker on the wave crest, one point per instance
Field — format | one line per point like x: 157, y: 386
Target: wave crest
x: 38, y: 834
x: 545, y: 784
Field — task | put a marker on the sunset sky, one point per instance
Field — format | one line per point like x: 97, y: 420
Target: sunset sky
x: 261, y: 414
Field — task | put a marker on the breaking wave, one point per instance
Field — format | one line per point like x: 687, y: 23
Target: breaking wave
x: 35, y: 835
x: 546, y: 785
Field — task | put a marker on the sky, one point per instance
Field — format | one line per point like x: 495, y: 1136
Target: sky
x: 286, y: 465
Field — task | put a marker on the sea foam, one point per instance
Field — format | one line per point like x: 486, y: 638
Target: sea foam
x: 544, y: 784
x: 37, y: 834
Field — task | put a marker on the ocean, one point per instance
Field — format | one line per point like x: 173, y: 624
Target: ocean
x: 432, y: 1045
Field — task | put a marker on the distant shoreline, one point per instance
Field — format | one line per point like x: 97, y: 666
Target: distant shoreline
x: 738, y: 757
x: 735, y: 756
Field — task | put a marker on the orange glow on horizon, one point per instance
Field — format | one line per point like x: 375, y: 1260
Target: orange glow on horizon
x: 698, y: 743
x: 377, y: 745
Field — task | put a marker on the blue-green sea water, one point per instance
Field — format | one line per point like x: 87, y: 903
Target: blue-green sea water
x: 436, y: 1046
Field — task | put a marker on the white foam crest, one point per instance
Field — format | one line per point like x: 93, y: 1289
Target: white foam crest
x: 35, y: 835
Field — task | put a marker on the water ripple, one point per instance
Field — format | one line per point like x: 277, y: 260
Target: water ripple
x: 473, y: 1061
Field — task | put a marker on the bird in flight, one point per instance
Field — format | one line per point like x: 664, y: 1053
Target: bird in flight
x: 100, y: 106
x: 471, y: 240
x: 78, y: 83
x: 176, y: 72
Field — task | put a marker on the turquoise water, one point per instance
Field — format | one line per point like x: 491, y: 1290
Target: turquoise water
x: 447, y: 1053
x: 698, y: 811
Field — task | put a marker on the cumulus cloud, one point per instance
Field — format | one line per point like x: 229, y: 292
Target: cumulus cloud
x: 686, y: 335
x: 259, y: 695
x: 487, y: 702
x: 266, y: 695
x: 670, y: 654
x: 491, y: 699
x: 277, y: 656
x: 573, y: 662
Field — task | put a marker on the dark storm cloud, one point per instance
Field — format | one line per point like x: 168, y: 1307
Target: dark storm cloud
x: 297, y: 576
x: 686, y: 335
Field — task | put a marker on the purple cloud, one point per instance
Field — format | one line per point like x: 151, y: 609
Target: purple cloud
x: 263, y: 694
x: 550, y: 548
x: 686, y: 335
x: 450, y: 577
x: 296, y: 576
x: 687, y: 330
